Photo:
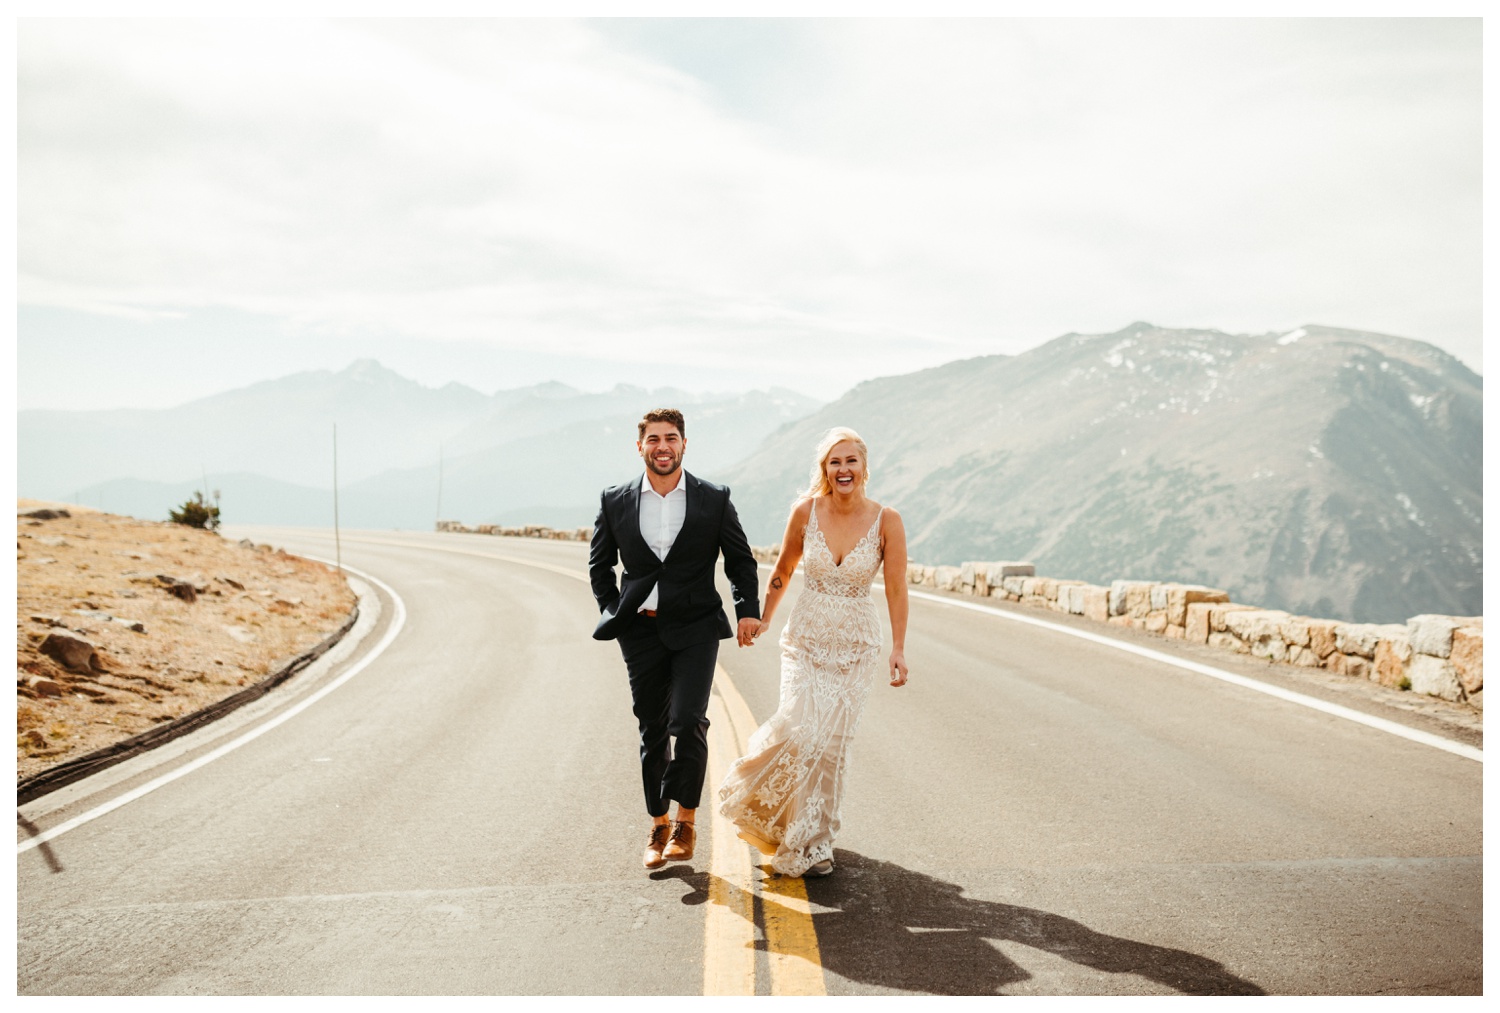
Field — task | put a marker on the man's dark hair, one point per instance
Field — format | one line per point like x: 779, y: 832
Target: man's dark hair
x: 671, y: 415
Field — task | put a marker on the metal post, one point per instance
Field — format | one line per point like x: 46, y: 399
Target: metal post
x: 338, y: 550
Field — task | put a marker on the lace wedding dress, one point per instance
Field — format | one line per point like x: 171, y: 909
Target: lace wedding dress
x: 784, y: 794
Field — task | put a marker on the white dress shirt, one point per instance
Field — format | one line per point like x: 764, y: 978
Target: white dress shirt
x: 661, y: 519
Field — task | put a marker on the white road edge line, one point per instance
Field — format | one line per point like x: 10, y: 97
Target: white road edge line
x: 397, y: 622
x: 1337, y: 710
x: 1301, y: 699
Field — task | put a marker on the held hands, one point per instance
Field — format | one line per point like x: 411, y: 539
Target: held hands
x: 898, y: 668
x: 748, y: 630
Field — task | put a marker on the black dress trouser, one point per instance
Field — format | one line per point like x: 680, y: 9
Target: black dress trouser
x: 670, y: 690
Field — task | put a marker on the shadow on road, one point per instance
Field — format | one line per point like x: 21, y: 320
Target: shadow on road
x: 895, y: 928
x: 46, y: 849
x: 697, y: 880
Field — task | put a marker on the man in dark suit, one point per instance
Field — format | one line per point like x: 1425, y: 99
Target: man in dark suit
x: 668, y: 529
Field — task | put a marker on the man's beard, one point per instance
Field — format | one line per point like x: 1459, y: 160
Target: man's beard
x: 659, y: 470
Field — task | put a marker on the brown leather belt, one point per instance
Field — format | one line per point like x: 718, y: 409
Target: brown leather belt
x: 649, y: 612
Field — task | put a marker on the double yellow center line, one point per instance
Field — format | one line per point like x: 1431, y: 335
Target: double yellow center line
x: 736, y: 887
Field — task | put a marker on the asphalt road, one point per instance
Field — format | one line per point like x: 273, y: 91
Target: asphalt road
x: 1034, y: 813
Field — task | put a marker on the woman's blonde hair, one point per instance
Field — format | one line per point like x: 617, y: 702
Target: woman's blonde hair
x: 819, y: 485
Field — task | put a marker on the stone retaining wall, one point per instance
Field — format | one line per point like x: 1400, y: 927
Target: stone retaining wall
x: 1441, y: 656
x: 526, y: 531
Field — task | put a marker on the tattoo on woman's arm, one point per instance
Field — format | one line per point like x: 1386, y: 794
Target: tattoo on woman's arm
x: 776, y: 583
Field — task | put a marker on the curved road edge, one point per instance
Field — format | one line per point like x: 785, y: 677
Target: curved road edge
x: 78, y: 768
x: 262, y: 715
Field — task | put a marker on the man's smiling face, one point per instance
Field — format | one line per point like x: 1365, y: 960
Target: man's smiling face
x: 661, y: 447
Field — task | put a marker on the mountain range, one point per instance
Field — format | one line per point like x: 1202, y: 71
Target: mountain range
x: 280, y: 429
x: 1329, y: 472
x: 537, y: 454
x: 1326, y: 471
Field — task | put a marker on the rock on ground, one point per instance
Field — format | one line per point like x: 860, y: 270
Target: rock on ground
x: 106, y: 649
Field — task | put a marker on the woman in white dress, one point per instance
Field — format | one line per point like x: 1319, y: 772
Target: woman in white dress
x: 784, y: 795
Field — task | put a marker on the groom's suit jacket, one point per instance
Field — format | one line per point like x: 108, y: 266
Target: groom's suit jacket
x: 689, y: 609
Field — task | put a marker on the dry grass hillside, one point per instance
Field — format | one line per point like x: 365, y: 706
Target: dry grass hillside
x: 122, y: 624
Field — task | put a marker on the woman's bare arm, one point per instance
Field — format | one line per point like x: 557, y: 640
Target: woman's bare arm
x: 893, y: 534
x: 786, y: 561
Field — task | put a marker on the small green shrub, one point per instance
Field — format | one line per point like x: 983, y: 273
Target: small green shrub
x: 197, y: 513
x: 1405, y: 682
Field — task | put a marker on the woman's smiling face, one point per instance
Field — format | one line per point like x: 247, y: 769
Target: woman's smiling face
x: 845, y: 468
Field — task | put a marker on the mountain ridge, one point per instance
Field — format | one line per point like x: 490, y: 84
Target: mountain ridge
x: 268, y: 447
x: 1150, y: 452
x: 1325, y: 470
x: 282, y: 428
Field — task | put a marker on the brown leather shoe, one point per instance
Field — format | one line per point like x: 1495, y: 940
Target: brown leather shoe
x: 658, y: 840
x: 680, y: 847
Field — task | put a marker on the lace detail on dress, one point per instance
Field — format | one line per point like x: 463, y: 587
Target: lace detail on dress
x: 785, y: 792
x: 849, y: 578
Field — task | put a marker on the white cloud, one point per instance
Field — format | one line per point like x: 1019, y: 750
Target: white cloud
x: 911, y: 191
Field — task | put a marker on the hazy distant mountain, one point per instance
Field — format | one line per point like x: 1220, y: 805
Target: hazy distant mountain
x: 282, y: 429
x: 530, y: 455
x: 514, y: 414
x: 1331, y: 472
x: 555, y: 477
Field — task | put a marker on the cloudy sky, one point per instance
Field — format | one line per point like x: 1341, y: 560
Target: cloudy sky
x: 722, y: 204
